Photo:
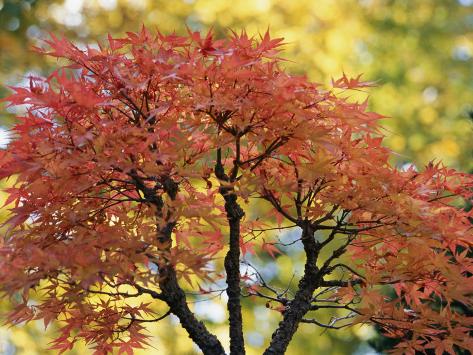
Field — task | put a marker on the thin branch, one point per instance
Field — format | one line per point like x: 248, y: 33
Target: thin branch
x: 340, y: 283
x: 133, y: 319
x: 268, y: 195
x: 328, y: 326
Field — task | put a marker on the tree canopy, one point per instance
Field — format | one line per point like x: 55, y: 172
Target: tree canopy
x: 420, y: 52
x: 137, y: 163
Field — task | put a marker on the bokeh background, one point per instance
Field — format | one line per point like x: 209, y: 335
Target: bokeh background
x: 420, y: 52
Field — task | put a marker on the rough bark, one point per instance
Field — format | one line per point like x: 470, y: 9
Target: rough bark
x: 232, y: 259
x: 171, y: 292
x: 232, y: 268
x: 176, y: 300
x: 300, y: 305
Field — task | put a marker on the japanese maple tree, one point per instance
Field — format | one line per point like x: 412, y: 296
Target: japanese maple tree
x: 139, y: 164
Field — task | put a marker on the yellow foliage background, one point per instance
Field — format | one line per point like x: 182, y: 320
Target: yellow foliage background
x: 419, y: 51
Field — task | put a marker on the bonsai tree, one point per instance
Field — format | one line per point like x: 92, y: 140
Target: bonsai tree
x: 138, y: 164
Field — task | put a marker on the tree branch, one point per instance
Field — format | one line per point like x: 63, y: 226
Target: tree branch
x: 300, y: 305
x: 232, y: 259
x: 171, y: 292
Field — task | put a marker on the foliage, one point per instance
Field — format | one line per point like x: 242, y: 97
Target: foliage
x: 134, y: 160
x: 406, y: 46
x: 419, y: 51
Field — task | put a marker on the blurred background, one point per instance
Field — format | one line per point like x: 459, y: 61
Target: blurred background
x: 419, y: 52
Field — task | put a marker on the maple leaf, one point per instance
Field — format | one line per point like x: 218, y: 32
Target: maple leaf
x: 351, y: 83
x: 270, y: 249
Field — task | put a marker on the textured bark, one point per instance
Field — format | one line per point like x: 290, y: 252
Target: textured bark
x: 171, y: 292
x: 300, y: 305
x: 232, y: 268
x: 232, y: 259
x: 176, y: 300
